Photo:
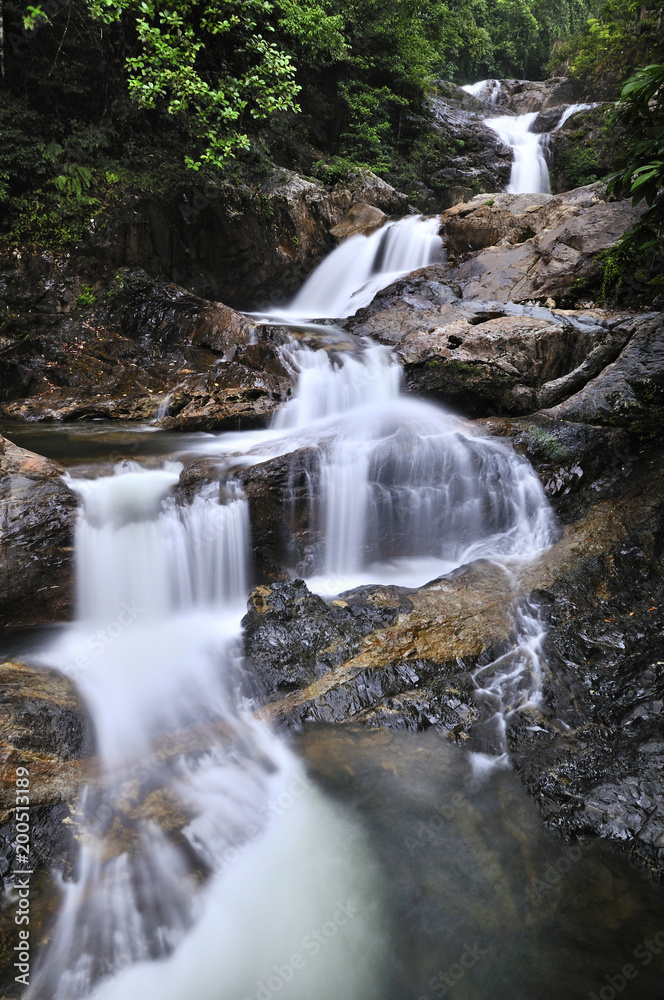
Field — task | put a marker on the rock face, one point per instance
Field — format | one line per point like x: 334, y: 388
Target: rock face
x: 148, y: 350
x: 466, y: 157
x: 586, y: 148
x: 242, y: 245
x: 38, y: 513
x: 525, y: 96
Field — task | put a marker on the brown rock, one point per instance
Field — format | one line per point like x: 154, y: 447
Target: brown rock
x: 362, y: 219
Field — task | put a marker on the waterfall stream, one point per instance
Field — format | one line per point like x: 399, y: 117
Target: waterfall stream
x: 206, y: 854
x: 530, y: 168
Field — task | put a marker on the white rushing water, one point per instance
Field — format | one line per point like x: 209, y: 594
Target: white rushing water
x: 351, y: 275
x: 530, y: 168
x: 209, y: 865
x: 192, y: 788
x: 530, y: 171
x: 484, y: 90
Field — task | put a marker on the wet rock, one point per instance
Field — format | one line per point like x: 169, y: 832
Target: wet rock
x: 572, y: 460
x: 525, y: 96
x: 293, y: 637
x: 279, y: 493
x: 148, y: 351
x: 484, y: 357
x: 629, y: 392
x: 472, y: 158
x: 37, y: 514
x: 546, y: 121
x: 44, y: 729
x: 588, y: 147
x: 595, y: 765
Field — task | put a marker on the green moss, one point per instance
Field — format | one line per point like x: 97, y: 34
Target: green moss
x: 549, y: 447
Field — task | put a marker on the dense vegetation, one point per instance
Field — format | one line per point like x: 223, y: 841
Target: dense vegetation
x: 622, y: 36
x: 100, y: 95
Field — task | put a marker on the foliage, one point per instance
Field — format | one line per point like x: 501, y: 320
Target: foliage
x: 214, y: 64
x: 87, y: 297
x: 641, y: 112
x: 623, y: 35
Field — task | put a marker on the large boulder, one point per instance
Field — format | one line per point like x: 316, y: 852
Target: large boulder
x: 38, y: 512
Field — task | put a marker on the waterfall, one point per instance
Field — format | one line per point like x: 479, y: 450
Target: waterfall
x: 403, y: 491
x: 573, y: 109
x: 485, y: 90
x: 202, y: 843
x: 349, y: 278
x: 207, y: 858
x: 530, y: 171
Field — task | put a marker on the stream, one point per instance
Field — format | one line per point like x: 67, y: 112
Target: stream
x: 337, y: 863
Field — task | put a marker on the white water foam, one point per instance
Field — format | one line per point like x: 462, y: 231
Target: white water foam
x: 192, y: 788
x: 351, y: 275
x: 530, y: 171
x: 485, y: 90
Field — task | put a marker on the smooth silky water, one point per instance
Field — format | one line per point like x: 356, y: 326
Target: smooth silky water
x: 220, y: 860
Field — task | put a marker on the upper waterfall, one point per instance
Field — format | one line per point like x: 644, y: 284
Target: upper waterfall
x: 530, y: 171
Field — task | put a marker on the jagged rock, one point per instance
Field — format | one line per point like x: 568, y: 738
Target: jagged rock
x: 37, y: 513
x: 293, y: 637
x: 525, y: 96
x: 588, y: 147
x: 44, y: 728
x: 629, y: 392
x: 488, y: 357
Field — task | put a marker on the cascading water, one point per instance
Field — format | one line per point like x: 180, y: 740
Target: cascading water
x: 351, y: 276
x: 192, y: 789
x: 203, y: 844
x: 402, y: 491
x: 484, y: 90
x: 530, y: 171
x: 530, y: 168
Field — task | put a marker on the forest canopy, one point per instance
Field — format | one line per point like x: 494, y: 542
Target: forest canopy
x: 96, y: 94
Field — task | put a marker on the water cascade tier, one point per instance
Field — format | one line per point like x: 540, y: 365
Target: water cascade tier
x: 351, y: 276
x: 530, y: 150
x: 401, y: 491
x: 196, y: 861
x: 207, y: 857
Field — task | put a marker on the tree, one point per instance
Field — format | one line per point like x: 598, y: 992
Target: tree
x: 218, y: 64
